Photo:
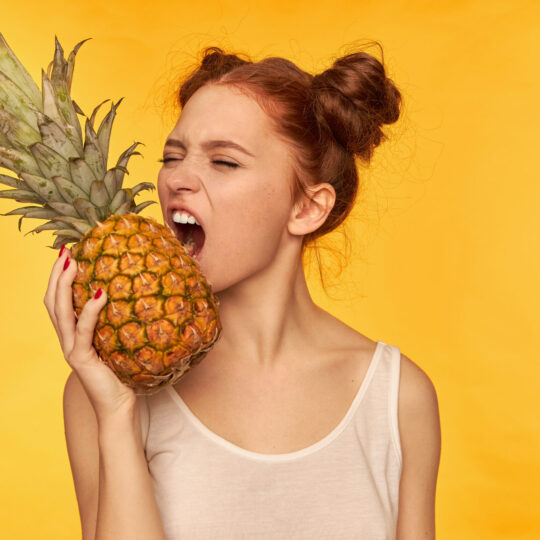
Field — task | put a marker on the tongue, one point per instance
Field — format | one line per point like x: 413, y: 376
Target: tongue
x: 189, y: 242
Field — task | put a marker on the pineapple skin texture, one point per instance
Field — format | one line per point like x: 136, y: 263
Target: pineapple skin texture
x: 161, y: 317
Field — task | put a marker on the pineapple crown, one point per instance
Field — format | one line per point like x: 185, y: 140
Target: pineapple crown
x: 41, y: 141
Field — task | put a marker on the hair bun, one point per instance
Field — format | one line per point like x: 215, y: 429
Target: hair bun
x: 214, y: 63
x: 353, y: 99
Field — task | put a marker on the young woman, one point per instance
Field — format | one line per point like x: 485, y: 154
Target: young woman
x: 294, y: 426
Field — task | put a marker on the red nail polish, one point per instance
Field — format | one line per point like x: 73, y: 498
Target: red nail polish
x: 66, y: 264
x: 62, y: 250
x: 99, y: 292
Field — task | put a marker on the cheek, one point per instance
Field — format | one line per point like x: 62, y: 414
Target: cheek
x: 258, y: 218
x: 272, y: 209
x: 248, y: 235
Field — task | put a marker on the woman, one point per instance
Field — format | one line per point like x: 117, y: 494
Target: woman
x: 294, y: 425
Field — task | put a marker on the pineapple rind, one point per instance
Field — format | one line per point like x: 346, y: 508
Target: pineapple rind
x: 161, y: 317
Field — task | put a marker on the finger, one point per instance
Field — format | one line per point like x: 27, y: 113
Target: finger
x: 63, y: 304
x: 50, y: 293
x: 84, y: 332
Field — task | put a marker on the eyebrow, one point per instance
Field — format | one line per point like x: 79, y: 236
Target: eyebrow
x: 210, y: 145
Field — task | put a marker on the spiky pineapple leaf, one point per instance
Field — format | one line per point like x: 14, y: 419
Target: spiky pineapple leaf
x: 121, y: 165
x: 68, y: 189
x: 124, y: 208
x: 110, y: 182
x: 93, y: 154
x: 64, y: 209
x: 60, y: 241
x: 50, y: 162
x: 69, y: 233
x: 91, y: 216
x: 104, y: 130
x: 11, y: 182
x: 85, y: 209
x: 71, y: 132
x: 50, y: 106
x: 82, y: 174
x: 18, y: 161
x: 33, y: 212
x: 41, y: 141
x: 55, y: 137
x: 47, y: 226
x: 14, y: 100
x: 98, y: 193
x: 142, y: 187
x: 10, y: 65
x: 44, y: 187
x: 79, y: 224
x: 60, y: 85
x: 21, y: 195
x: 118, y: 200
x: 142, y: 206
x: 71, y: 63
x: 95, y: 111
x: 78, y: 110
x: 16, y: 131
x: 4, y: 141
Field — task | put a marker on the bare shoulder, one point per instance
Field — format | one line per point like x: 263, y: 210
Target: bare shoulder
x: 418, y: 409
x: 417, y: 394
x: 420, y: 437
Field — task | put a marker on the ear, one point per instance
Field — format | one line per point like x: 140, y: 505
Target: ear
x: 312, y: 209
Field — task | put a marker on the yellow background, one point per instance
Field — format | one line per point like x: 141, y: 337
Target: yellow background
x: 445, y: 252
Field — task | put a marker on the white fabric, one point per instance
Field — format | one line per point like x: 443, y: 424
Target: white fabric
x: 343, y: 487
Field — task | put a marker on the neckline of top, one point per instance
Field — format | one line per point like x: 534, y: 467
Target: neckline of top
x: 289, y: 455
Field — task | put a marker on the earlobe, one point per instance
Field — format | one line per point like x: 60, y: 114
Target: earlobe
x: 311, y: 211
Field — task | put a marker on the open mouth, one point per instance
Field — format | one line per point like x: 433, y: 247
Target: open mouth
x: 191, y: 236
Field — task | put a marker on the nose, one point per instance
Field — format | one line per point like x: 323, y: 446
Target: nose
x: 183, y: 178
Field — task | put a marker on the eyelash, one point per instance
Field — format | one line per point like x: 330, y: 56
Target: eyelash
x: 226, y: 163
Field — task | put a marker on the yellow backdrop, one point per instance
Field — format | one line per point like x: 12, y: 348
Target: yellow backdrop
x: 445, y: 255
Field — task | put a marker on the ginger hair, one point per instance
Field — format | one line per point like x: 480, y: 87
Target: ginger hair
x: 329, y: 119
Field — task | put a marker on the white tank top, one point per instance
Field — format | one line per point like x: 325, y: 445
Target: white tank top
x: 343, y: 487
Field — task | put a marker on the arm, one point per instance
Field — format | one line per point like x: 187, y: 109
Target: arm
x: 80, y: 427
x: 103, y: 435
x: 420, y: 434
x: 112, y: 483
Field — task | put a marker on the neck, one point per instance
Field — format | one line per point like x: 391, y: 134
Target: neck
x: 267, y: 319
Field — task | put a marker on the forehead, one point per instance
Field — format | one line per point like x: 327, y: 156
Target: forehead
x: 220, y: 112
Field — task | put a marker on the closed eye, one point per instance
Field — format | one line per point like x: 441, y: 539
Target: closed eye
x: 217, y: 162
x: 227, y: 163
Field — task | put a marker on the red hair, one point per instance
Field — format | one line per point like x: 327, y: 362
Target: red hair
x: 327, y: 119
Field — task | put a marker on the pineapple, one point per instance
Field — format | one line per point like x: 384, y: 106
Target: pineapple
x: 161, y: 317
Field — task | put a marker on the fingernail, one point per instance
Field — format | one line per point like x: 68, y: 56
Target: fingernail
x: 62, y: 250
x: 99, y: 292
x: 66, y: 264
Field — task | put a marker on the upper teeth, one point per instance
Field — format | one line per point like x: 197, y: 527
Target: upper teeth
x: 184, y: 217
